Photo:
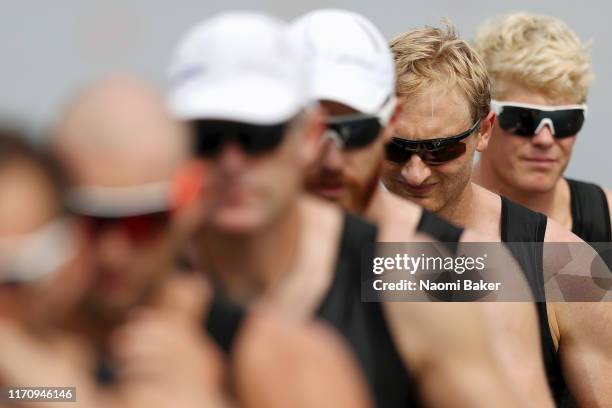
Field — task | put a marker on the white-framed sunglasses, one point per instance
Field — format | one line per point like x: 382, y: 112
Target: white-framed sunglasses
x: 527, y: 120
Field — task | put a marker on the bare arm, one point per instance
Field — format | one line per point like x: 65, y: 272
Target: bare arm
x: 583, y: 330
x: 447, y: 343
x: 585, y: 349
x: 515, y: 337
x: 279, y: 363
x: 513, y: 328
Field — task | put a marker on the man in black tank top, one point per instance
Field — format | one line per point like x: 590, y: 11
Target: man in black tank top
x: 526, y: 161
x: 430, y: 162
x: 262, y: 240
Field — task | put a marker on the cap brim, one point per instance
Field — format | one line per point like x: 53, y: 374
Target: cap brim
x: 251, y: 99
x: 347, y: 85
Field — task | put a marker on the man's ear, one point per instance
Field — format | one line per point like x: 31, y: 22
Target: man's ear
x: 486, y: 129
x: 389, y: 130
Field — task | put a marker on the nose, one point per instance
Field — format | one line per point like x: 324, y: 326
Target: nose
x: 232, y: 158
x: 415, y: 171
x: 332, y: 157
x: 544, y: 138
x: 113, y: 248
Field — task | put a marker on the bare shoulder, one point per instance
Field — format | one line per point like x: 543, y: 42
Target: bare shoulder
x: 422, y: 329
x: 555, y: 232
x: 487, y: 208
x: 470, y: 235
x: 584, y: 349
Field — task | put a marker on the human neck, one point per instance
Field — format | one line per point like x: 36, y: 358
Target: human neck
x: 248, y: 265
x: 459, y: 210
x: 376, y: 205
x: 550, y: 203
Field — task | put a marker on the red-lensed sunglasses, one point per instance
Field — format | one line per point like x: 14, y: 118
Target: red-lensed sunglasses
x: 140, y: 212
x: 138, y: 228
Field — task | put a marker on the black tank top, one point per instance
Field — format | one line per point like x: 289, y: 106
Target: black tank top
x: 590, y: 212
x: 362, y: 324
x: 440, y: 229
x: 520, y: 224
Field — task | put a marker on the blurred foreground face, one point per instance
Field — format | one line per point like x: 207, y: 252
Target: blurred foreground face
x: 346, y: 176
x: 531, y: 164
x: 438, y: 113
x: 42, y: 273
x: 122, y: 150
x: 247, y: 190
x: 238, y: 82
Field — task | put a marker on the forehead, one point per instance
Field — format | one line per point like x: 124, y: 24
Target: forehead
x: 438, y: 112
x: 516, y: 92
x: 122, y: 158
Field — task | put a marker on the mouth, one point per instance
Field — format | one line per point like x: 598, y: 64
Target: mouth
x: 420, y: 191
x: 330, y: 190
x: 540, y: 162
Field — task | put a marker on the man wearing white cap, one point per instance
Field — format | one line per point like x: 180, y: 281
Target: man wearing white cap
x: 239, y: 82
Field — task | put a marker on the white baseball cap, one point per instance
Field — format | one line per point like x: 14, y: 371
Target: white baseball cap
x: 239, y: 66
x: 349, y: 60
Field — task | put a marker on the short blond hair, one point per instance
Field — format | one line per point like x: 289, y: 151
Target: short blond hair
x: 429, y: 56
x: 538, y: 52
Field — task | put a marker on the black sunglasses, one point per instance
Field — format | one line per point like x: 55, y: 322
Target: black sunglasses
x: 431, y: 151
x: 353, y: 131
x: 211, y: 135
x: 528, y: 120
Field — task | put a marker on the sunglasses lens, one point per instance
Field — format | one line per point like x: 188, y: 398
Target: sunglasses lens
x: 207, y: 140
x: 143, y: 227
x: 445, y: 154
x: 397, y: 154
x: 519, y: 121
x: 260, y: 139
x: 211, y: 135
x: 138, y: 228
x: 356, y: 133
x: 567, y: 122
x: 400, y: 154
x: 525, y: 121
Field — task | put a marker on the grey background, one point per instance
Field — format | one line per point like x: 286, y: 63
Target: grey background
x: 51, y: 48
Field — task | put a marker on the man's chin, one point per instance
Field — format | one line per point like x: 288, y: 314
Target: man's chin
x: 539, y: 182
x: 427, y: 202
